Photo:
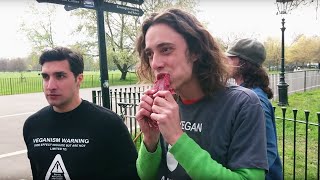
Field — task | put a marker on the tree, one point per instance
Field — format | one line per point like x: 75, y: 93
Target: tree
x: 40, y: 34
x: 17, y: 65
x: 304, y: 50
x: 297, y: 3
x: 90, y: 61
x: 273, y: 51
x: 121, y: 31
x: 231, y: 39
x: 4, y: 65
x: 296, y: 54
x: 33, y: 61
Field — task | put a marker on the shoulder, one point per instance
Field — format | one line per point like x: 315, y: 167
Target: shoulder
x: 99, y: 112
x: 39, y: 114
x: 241, y: 101
x: 103, y: 120
x: 262, y: 95
x: 241, y: 94
x: 259, y: 92
x: 35, y: 121
x: 263, y: 98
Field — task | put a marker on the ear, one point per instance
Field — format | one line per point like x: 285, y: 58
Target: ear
x: 194, y: 57
x: 79, y: 79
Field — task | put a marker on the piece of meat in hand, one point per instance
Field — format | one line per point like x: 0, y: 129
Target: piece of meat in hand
x: 161, y: 84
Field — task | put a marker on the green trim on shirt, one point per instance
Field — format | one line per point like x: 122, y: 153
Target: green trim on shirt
x: 148, y: 163
x: 200, y: 165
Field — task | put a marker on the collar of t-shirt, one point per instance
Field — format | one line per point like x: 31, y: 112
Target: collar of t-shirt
x: 190, y: 101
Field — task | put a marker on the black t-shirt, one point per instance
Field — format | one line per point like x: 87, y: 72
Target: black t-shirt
x: 89, y: 142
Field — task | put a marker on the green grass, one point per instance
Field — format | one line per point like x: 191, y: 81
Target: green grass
x: 30, y: 82
x: 301, y: 101
x: 19, y: 74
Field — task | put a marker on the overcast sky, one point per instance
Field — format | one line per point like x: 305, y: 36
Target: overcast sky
x: 257, y: 18
x: 225, y: 18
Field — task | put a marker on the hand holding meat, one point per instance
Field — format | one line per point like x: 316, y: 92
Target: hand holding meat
x: 150, y: 131
x: 159, y: 111
x: 165, y: 111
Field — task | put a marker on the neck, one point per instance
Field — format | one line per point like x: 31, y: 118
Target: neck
x: 68, y: 106
x: 239, y: 80
x: 191, y: 91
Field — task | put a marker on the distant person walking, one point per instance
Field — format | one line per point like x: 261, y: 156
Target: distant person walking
x: 245, y: 60
x: 73, y: 138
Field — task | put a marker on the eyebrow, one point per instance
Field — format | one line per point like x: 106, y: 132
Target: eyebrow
x: 160, y: 45
x: 55, y: 73
x: 59, y: 72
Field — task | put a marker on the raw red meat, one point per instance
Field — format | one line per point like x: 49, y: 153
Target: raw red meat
x: 162, y: 83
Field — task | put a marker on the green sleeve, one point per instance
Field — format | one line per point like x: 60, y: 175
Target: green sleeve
x: 148, y: 163
x: 201, y: 166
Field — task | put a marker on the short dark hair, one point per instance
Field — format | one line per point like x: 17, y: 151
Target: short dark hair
x: 209, y: 67
x: 74, y: 59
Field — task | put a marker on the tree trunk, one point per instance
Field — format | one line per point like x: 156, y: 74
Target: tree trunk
x: 123, y: 75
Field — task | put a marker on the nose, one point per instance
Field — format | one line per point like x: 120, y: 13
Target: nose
x: 50, y: 84
x: 157, y: 62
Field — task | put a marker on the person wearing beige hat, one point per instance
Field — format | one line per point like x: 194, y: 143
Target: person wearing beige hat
x: 245, y: 59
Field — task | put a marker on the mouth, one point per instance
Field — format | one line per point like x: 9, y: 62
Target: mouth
x: 162, y: 75
x: 53, y: 95
x: 163, y: 82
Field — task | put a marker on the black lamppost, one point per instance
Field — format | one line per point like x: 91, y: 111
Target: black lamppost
x: 283, y: 7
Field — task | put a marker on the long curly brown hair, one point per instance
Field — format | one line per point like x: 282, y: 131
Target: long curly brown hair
x: 254, y: 76
x: 209, y: 68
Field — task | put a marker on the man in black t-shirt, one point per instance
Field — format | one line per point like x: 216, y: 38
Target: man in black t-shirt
x: 208, y: 129
x: 73, y: 138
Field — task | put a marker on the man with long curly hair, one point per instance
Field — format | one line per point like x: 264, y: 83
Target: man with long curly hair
x: 245, y: 60
x: 210, y: 130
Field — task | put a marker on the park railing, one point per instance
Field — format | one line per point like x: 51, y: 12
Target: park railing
x: 299, y: 81
x: 9, y: 86
x: 23, y: 85
x: 299, y: 144
x: 298, y: 139
x: 124, y: 102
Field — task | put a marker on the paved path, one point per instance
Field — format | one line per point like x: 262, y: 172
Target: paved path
x: 14, y: 109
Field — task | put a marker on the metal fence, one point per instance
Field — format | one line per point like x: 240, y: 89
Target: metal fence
x: 9, y: 86
x: 124, y: 101
x: 298, y: 81
x: 22, y: 85
x: 299, y: 145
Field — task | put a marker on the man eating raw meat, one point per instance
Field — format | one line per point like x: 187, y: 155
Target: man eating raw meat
x: 212, y: 130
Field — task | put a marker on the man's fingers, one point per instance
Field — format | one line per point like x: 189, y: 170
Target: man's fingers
x: 141, y: 114
x: 164, y: 94
x: 149, y: 92
x: 145, y: 105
